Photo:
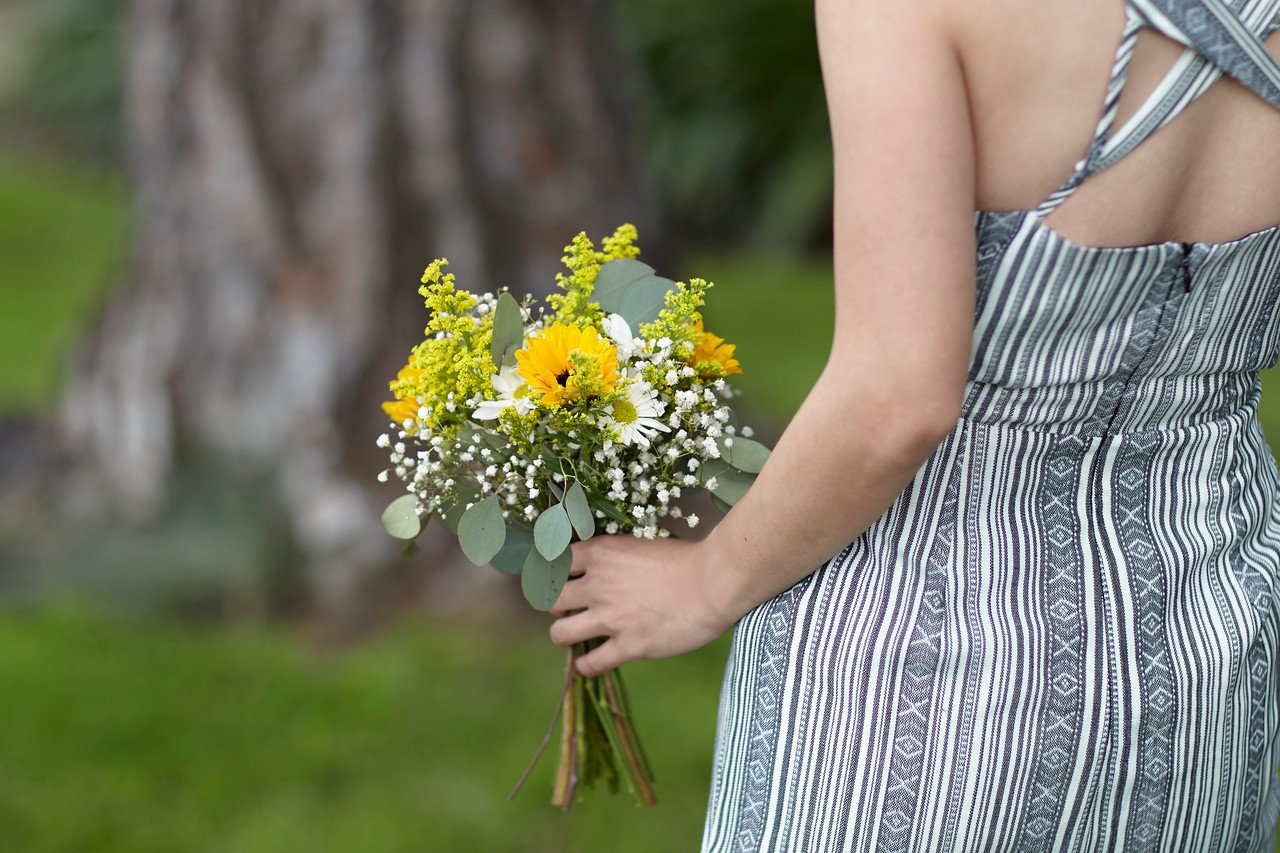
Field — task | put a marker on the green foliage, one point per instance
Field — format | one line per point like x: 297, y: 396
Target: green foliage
x: 743, y: 453
x: 74, y: 84
x: 455, y: 504
x: 643, y: 300
x: 508, y: 330
x: 573, y: 303
x: 730, y: 484
x: 515, y: 549
x: 612, y: 280
x: 481, y: 531
x: 120, y: 737
x: 629, y: 288
x: 552, y: 531
x: 400, y: 518
x: 454, y: 355
x: 541, y: 579
x: 735, y: 119
x: 575, y: 503
x: 679, y: 311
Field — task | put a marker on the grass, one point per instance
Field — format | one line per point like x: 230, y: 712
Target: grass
x: 142, y: 735
x: 62, y: 231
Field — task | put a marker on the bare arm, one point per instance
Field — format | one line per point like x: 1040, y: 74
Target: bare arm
x: 892, y: 386
x: 904, y: 266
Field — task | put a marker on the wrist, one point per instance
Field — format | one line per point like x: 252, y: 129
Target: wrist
x: 724, y: 582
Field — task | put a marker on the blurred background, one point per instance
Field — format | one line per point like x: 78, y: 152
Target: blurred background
x: 213, y: 217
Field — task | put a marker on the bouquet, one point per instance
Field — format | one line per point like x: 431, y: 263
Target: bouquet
x: 518, y: 426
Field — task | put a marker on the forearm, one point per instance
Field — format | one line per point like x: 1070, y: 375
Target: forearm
x: 846, y: 456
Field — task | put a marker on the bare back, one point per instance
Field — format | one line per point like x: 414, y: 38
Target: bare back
x: 1036, y: 75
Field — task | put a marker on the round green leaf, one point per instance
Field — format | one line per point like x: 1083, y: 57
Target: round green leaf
x: 720, y: 505
x: 575, y: 503
x: 613, y: 278
x: 541, y: 580
x: 552, y: 532
x: 514, y: 551
x: 508, y: 330
x: 744, y: 454
x: 400, y: 518
x: 731, y: 484
x: 481, y: 531
x: 451, y: 512
x: 643, y: 299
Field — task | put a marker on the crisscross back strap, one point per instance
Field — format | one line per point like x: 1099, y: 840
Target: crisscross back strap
x: 1219, y: 40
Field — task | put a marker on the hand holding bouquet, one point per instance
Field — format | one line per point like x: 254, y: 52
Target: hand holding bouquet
x: 518, y: 426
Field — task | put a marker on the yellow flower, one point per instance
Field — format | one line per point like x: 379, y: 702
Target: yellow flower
x: 711, y: 355
x: 403, y: 407
x: 568, y: 362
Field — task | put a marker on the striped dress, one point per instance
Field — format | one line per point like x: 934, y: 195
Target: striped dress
x: 1063, y: 635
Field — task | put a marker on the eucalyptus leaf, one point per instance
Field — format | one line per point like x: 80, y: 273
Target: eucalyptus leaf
x: 575, y: 503
x: 508, y: 330
x: 643, y: 299
x: 552, y: 532
x: 452, y: 510
x: 720, y: 505
x: 541, y: 580
x: 400, y: 518
x: 555, y: 490
x: 613, y: 278
x: 516, y: 548
x: 744, y: 454
x: 731, y: 484
x: 481, y: 531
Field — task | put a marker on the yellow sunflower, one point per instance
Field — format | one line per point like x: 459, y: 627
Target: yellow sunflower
x: 711, y: 355
x: 566, y: 362
x: 402, y: 408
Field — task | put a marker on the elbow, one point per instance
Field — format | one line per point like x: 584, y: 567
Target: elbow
x: 906, y: 421
x: 912, y: 428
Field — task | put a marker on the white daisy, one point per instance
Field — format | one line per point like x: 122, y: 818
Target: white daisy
x: 616, y: 327
x: 511, y: 392
x: 637, y: 416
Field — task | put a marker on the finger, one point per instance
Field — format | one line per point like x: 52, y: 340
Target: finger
x: 577, y: 628
x: 602, y: 659
x: 573, y: 596
x: 583, y: 553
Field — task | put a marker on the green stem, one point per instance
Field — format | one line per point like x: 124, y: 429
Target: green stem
x: 546, y: 738
x: 562, y: 791
x: 625, y: 703
x: 635, y: 764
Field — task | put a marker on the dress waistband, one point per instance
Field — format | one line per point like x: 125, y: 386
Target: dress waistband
x: 1115, y: 405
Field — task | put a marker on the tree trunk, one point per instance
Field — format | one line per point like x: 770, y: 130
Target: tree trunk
x: 297, y: 163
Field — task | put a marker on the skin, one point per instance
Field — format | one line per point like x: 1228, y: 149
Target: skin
x: 918, y: 146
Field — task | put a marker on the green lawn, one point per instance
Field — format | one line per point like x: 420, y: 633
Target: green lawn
x: 145, y: 736
x: 62, y: 234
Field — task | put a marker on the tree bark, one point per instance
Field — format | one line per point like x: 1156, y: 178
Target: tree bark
x: 296, y: 164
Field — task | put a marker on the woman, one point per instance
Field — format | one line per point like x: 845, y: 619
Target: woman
x: 1044, y: 518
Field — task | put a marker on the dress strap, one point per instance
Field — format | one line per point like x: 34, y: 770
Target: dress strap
x: 1219, y: 40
